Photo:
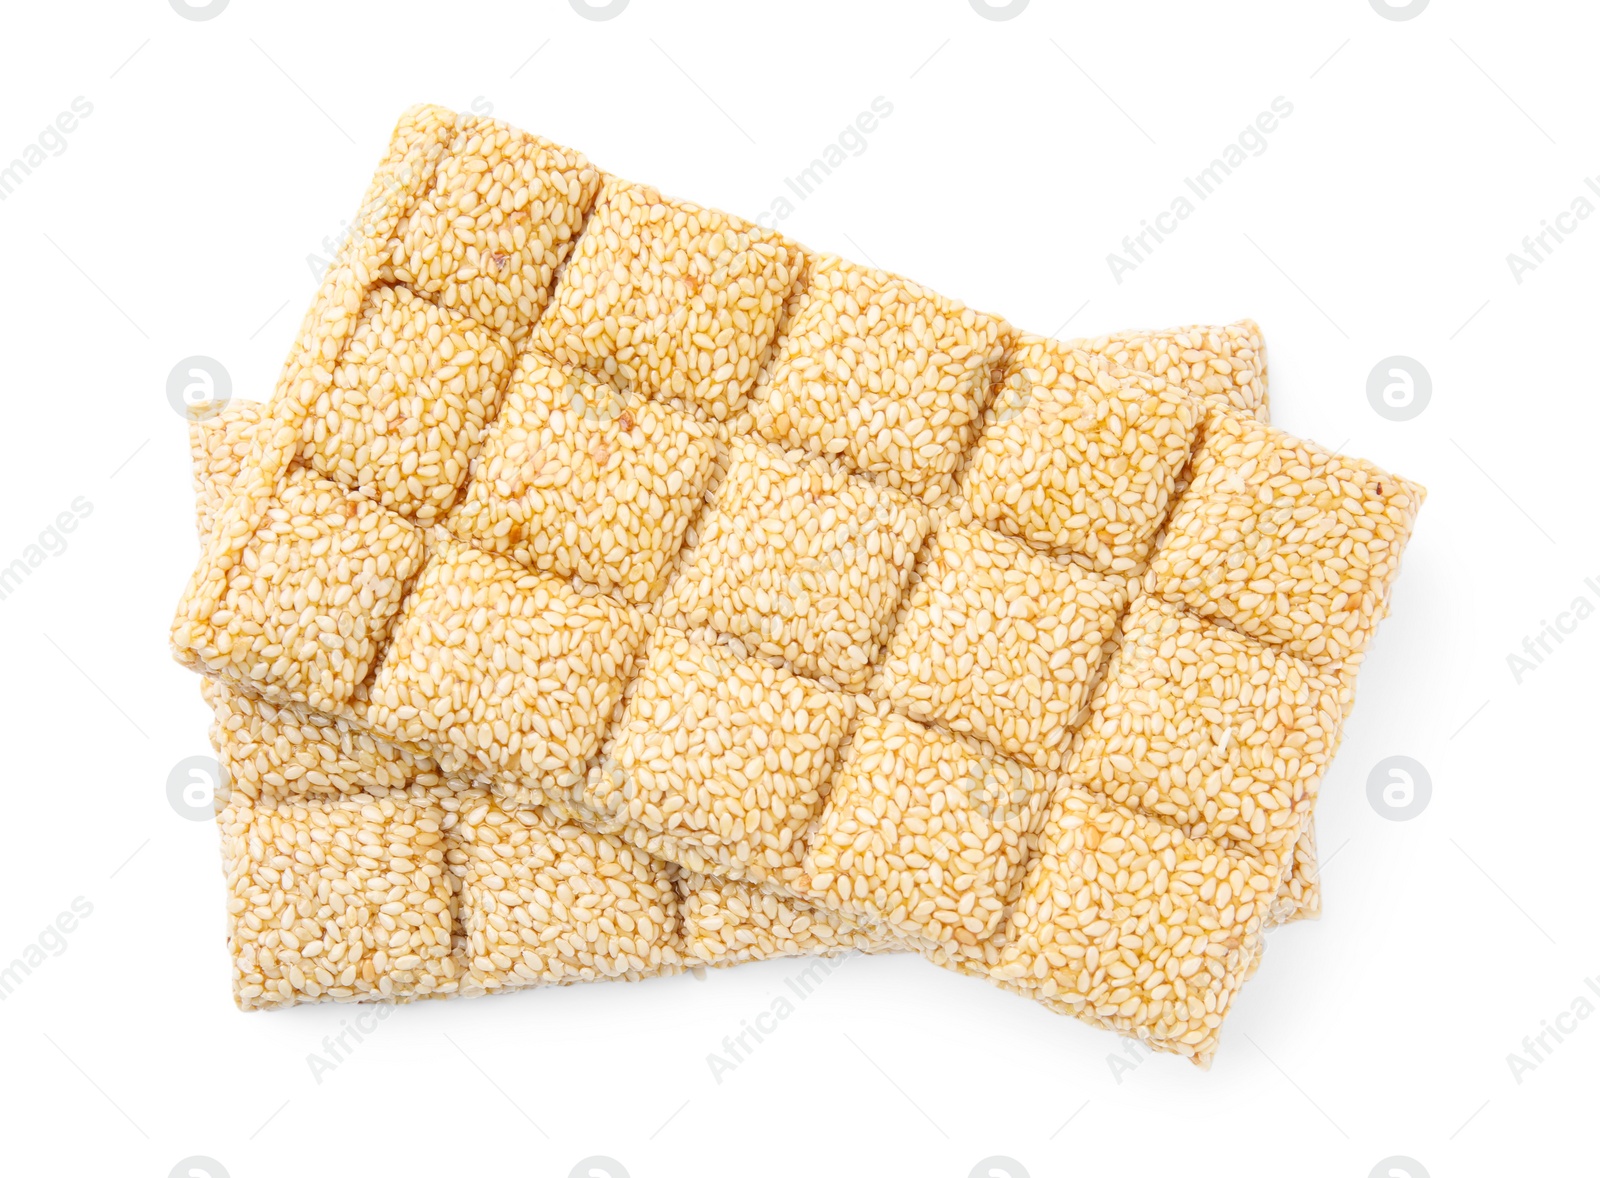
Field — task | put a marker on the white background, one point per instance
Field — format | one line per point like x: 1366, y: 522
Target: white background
x: 221, y: 153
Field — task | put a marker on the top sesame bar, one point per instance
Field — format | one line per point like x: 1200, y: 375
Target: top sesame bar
x: 800, y: 577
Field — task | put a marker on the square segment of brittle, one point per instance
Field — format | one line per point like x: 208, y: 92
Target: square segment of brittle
x: 406, y: 410
x: 670, y: 300
x: 545, y: 901
x: 727, y: 921
x: 1285, y: 542
x: 800, y: 561
x: 924, y: 830
x: 288, y: 750
x: 1211, y: 729
x: 337, y: 897
x: 501, y: 215
x: 1000, y: 641
x: 306, y: 603
x: 219, y: 445
x: 577, y: 479
x: 882, y: 373
x: 1226, y: 367
x: 516, y: 671
x: 728, y: 755
x: 1126, y: 921
x: 1080, y: 455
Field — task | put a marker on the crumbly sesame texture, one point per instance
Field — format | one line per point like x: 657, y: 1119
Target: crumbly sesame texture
x: 613, y: 586
x: 1001, y: 641
x: 1226, y: 736
x: 729, y: 755
x: 880, y: 374
x: 582, y: 481
x: 801, y: 561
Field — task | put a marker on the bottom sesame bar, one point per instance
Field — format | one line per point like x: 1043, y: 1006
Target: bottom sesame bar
x: 358, y: 869
x: 355, y: 872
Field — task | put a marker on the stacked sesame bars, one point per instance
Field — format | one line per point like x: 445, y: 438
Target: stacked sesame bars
x: 613, y: 586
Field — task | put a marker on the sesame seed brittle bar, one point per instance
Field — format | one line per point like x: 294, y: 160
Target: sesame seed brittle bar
x: 653, y: 591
